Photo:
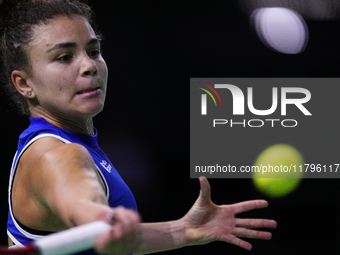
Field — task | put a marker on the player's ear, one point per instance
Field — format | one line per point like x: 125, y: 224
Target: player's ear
x: 19, y: 79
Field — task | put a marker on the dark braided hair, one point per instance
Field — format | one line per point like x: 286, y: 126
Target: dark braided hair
x: 17, y: 18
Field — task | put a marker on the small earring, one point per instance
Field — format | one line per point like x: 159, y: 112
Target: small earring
x: 29, y: 94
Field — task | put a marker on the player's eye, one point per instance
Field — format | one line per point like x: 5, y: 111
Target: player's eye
x: 65, y: 58
x: 94, y: 53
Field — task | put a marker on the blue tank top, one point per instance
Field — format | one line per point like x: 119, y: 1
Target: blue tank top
x: 118, y: 193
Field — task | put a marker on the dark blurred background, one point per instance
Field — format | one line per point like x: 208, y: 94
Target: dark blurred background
x: 152, y: 48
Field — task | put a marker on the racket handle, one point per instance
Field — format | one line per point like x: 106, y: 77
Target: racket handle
x: 73, y: 240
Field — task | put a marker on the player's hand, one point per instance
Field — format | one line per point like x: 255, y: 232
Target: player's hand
x: 207, y: 222
x: 126, y: 234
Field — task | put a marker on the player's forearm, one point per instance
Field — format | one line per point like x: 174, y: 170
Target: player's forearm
x: 163, y: 236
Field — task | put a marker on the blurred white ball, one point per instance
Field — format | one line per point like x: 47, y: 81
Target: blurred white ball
x: 281, y: 29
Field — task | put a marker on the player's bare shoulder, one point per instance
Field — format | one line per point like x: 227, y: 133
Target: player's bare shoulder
x: 46, y: 172
x: 47, y: 159
x: 36, y: 171
x: 49, y: 154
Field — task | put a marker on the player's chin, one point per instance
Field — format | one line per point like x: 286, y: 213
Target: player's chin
x: 92, y: 108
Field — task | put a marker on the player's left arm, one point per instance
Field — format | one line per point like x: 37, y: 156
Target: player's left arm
x: 206, y: 222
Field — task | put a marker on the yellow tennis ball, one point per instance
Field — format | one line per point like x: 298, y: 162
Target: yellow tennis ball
x: 280, y: 169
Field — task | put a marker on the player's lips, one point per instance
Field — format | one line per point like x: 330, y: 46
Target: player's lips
x: 90, y: 92
x: 87, y: 90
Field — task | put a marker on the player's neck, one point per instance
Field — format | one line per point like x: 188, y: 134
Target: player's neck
x: 74, y: 123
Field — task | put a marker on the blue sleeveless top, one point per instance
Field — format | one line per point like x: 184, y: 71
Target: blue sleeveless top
x: 118, y: 193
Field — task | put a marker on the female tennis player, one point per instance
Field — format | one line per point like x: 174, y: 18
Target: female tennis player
x: 60, y: 178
